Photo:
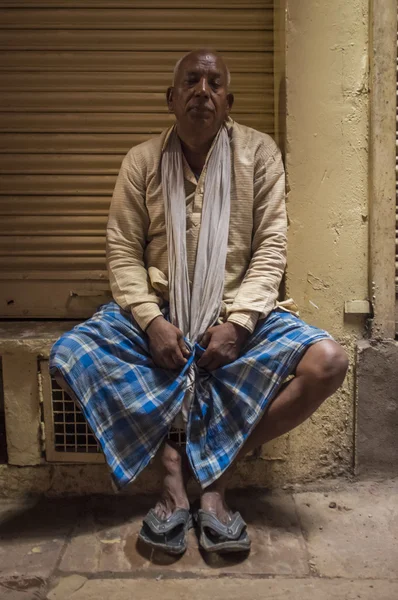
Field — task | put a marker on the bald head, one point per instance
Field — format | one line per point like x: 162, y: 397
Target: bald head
x: 199, y: 97
x: 202, y: 53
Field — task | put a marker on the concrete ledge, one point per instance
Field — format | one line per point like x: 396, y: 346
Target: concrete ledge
x: 31, y: 336
x: 22, y: 344
x: 377, y: 408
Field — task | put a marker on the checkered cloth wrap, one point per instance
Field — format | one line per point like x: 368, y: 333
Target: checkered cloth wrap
x: 130, y: 404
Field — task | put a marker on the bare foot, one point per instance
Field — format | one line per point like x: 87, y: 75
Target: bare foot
x: 176, y: 475
x: 213, y: 501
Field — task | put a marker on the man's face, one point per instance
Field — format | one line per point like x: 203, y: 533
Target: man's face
x: 200, y: 98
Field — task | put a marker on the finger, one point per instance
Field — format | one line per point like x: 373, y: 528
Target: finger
x: 206, y: 358
x: 211, y: 366
x: 169, y: 364
x: 212, y: 360
x: 166, y: 361
x: 217, y: 363
x: 184, y: 350
x: 205, y: 339
x: 178, y: 358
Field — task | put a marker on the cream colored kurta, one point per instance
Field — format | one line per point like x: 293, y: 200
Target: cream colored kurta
x: 256, y: 257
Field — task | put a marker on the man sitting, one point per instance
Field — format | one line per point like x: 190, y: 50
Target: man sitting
x: 195, y: 338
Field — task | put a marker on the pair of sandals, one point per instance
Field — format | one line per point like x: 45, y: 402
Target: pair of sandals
x: 171, y: 535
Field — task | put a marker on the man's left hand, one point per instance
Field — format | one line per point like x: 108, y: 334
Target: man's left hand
x: 223, y: 345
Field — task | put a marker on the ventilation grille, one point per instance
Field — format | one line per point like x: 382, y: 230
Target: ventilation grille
x: 178, y: 437
x: 67, y: 435
x: 71, y: 432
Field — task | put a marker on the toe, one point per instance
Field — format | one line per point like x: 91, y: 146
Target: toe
x: 214, y: 502
x: 161, y: 510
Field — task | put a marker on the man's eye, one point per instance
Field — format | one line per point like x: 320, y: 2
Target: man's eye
x: 215, y: 84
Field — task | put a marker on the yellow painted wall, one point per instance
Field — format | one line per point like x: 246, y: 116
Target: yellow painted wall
x: 327, y: 168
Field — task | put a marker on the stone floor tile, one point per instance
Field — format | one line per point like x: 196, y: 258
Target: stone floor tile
x: 65, y: 587
x: 82, y: 552
x: 22, y: 589
x: 235, y: 589
x: 32, y: 537
x: 97, y: 540
x: 7, y: 594
x: 106, y: 541
x: 352, y: 533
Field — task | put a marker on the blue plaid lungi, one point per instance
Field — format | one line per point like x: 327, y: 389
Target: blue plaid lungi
x: 130, y: 404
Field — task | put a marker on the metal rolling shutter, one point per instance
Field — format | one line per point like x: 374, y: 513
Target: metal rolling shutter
x: 81, y: 84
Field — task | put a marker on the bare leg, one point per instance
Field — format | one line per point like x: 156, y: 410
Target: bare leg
x: 176, y: 473
x: 319, y: 374
x: 175, y: 476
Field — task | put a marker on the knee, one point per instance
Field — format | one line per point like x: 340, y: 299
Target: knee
x: 329, y: 364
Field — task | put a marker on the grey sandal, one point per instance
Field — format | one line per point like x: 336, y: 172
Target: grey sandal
x: 169, y: 535
x: 217, y: 537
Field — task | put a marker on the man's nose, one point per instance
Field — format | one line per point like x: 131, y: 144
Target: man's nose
x: 202, y: 87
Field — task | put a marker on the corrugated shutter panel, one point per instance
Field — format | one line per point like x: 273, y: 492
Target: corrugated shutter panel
x: 82, y: 83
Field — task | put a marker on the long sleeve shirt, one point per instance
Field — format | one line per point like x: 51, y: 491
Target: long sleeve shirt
x: 256, y: 256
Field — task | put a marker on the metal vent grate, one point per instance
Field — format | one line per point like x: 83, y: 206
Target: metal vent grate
x: 178, y: 437
x: 71, y: 432
x: 67, y: 435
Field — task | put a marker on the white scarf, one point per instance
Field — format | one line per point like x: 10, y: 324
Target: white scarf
x: 195, y: 312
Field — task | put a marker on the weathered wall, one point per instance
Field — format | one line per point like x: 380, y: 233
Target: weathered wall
x: 327, y: 166
x: 377, y: 416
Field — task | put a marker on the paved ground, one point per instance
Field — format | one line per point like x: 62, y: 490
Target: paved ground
x: 338, y: 541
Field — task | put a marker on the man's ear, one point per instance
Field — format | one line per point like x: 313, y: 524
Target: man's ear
x: 169, y: 98
x: 230, y: 102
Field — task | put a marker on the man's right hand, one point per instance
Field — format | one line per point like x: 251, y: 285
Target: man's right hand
x: 166, y: 344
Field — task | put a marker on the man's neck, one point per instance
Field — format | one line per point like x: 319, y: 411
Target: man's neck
x: 195, y: 151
